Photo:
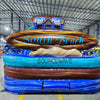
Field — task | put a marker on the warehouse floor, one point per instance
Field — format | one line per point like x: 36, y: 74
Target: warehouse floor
x: 8, y: 96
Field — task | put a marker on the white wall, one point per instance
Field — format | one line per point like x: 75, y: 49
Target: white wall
x: 93, y: 31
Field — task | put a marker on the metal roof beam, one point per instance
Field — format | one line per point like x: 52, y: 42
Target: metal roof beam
x: 43, y: 13
x: 72, y: 8
x: 64, y: 17
x: 63, y: 7
x: 90, y: 25
x: 14, y: 11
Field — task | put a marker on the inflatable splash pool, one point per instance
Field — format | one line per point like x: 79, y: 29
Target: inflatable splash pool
x: 28, y: 86
x: 26, y: 74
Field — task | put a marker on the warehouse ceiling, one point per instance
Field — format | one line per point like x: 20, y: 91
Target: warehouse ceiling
x: 77, y: 13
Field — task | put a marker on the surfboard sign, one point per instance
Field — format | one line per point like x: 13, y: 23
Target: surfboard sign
x: 45, y: 38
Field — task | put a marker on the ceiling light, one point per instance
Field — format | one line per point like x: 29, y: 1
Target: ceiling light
x: 3, y: 40
x: 7, y: 28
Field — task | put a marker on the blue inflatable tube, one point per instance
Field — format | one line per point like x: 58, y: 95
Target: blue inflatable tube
x: 28, y: 86
x: 21, y: 61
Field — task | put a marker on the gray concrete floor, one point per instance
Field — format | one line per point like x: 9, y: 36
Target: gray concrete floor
x: 8, y: 96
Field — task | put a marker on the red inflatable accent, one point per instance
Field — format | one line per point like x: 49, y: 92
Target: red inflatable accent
x: 25, y: 73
